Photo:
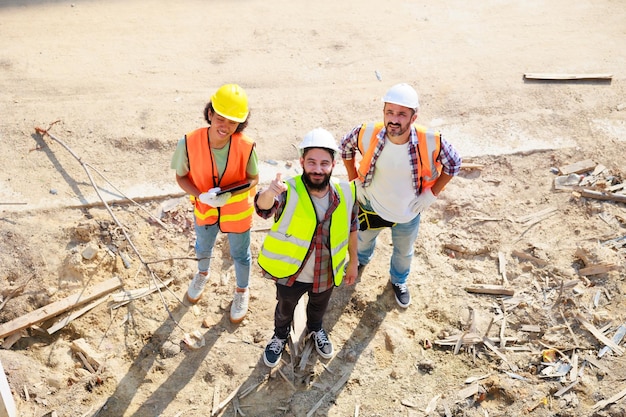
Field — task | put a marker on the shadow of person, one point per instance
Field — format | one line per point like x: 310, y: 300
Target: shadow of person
x: 120, y: 401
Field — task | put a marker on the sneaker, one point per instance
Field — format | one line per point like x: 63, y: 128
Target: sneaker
x: 239, y: 307
x: 323, y: 345
x: 403, y: 297
x: 273, y: 351
x: 194, y: 292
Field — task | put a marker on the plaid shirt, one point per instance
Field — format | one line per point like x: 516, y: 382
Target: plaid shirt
x: 320, y: 243
x: 448, y: 157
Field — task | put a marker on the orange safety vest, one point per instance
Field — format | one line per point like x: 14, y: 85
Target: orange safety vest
x: 236, y: 215
x: 428, y: 148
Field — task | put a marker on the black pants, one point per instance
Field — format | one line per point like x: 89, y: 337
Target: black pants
x: 288, y: 298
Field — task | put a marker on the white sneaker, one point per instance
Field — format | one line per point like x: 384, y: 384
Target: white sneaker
x: 239, y: 307
x: 194, y: 292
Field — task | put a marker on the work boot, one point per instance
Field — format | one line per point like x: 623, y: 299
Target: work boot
x: 239, y: 307
x: 194, y: 292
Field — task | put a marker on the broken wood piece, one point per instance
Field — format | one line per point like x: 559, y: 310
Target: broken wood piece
x: 468, y: 391
x: 282, y: 374
x: 578, y: 167
x: 600, y: 268
x: 566, y: 388
x: 617, y: 338
x: 534, y: 218
x: 601, y: 195
x: 566, y: 76
x: 502, y: 267
x: 10, y: 340
x: 124, y: 297
x: 487, y: 343
x: 7, y: 403
x: 226, y: 401
x: 432, y: 404
x: 601, y: 404
x: 216, y: 400
x: 527, y: 257
x: 85, y: 362
x: 530, y: 328
x: 298, y: 327
x: 81, y: 347
x: 67, y: 320
x: 599, y: 335
x: 489, y: 289
x: 58, y: 307
x: 335, y: 388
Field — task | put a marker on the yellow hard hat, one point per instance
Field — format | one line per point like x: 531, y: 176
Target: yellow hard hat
x: 231, y: 102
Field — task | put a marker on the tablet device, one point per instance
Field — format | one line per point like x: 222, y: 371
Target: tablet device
x: 234, y: 187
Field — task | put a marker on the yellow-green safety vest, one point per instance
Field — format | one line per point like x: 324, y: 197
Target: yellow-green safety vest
x: 289, y: 239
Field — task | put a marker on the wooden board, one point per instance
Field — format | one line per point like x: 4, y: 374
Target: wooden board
x: 489, y: 289
x: 578, y: 167
x: 7, y: 404
x: 555, y: 76
x: 58, y: 307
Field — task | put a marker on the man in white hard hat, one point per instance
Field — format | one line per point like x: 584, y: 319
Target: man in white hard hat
x: 403, y: 169
x: 312, y: 244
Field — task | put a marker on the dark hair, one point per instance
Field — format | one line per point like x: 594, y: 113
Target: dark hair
x: 208, y: 109
x: 330, y: 151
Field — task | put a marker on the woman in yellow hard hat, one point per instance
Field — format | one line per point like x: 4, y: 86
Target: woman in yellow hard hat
x: 218, y: 166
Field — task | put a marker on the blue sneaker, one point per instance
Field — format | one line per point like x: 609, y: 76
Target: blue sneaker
x: 403, y: 297
x: 273, y: 351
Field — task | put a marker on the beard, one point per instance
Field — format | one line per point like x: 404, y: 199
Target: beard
x: 318, y: 183
x: 398, y: 129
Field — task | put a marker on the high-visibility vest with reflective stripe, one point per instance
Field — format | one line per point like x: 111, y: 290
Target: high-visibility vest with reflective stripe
x: 289, y: 239
x: 236, y: 215
x: 428, y: 148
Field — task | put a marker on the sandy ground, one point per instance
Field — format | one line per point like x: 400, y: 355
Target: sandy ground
x: 125, y: 80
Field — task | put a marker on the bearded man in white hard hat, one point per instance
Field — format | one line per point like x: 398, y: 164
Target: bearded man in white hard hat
x: 403, y: 169
x: 312, y: 244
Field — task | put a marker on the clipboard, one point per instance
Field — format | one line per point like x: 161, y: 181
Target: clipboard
x: 234, y: 187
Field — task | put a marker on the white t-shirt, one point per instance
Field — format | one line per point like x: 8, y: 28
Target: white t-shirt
x: 391, y: 189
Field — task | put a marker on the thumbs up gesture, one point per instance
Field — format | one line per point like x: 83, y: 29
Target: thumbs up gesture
x: 277, y: 185
x: 267, y: 197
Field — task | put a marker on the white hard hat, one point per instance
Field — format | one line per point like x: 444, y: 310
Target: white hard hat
x: 319, y: 138
x: 402, y: 95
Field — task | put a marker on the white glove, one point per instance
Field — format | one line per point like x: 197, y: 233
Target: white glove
x: 423, y: 201
x: 212, y: 199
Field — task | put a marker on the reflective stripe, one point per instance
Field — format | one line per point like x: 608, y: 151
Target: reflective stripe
x: 287, y: 243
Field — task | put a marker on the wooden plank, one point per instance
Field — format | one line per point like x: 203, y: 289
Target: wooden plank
x: 531, y: 328
x: 598, y: 269
x: 76, y: 314
x: 93, y: 358
x: 527, y: 257
x: 298, y: 328
x: 489, y: 289
x: 566, y: 76
x: 7, y: 404
x: 58, y: 307
x: 578, y: 167
x: 600, y: 195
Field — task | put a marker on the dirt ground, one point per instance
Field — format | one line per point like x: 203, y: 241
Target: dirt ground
x: 125, y: 80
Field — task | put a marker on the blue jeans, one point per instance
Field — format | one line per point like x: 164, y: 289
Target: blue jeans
x: 239, y: 251
x: 403, y: 237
